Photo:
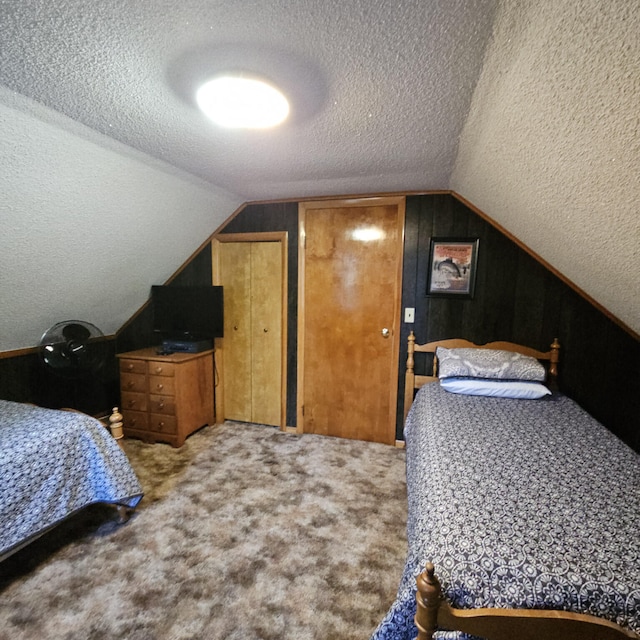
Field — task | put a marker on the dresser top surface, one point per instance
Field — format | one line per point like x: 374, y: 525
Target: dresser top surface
x: 151, y: 354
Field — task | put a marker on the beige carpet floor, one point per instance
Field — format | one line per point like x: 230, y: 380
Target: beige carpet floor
x: 244, y: 533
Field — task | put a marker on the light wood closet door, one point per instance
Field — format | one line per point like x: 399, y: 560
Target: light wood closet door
x: 251, y: 273
x: 235, y: 277
x: 351, y: 286
x: 266, y: 332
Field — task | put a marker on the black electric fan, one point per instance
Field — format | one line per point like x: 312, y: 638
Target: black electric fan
x: 73, y: 349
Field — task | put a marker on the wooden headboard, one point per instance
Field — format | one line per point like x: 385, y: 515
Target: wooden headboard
x: 413, y: 381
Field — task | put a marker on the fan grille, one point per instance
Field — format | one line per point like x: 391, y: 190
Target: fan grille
x: 73, y: 348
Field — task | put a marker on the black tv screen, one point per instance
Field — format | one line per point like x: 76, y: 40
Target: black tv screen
x: 189, y: 313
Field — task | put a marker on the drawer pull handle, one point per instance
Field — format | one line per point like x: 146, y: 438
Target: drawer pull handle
x: 160, y: 386
x: 130, y: 366
x: 131, y: 403
x: 130, y: 384
x: 133, y: 422
x: 158, y: 369
x: 160, y: 405
x: 161, y: 424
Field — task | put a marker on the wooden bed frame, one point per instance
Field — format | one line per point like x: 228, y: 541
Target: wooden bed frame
x: 506, y: 624
x: 433, y: 612
x: 413, y: 381
x: 115, y: 426
x: 113, y: 422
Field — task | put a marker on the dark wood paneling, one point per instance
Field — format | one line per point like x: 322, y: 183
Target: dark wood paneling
x: 17, y: 378
x: 518, y: 299
x: 26, y: 379
x: 138, y: 333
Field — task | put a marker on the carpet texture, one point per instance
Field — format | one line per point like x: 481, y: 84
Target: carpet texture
x: 244, y: 533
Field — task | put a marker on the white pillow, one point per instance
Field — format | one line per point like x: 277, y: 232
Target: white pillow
x: 495, y: 388
x: 488, y: 363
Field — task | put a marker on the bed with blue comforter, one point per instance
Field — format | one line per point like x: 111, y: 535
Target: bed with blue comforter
x: 518, y: 503
x: 52, y: 464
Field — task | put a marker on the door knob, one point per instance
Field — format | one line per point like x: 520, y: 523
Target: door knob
x: 385, y: 333
x: 265, y: 330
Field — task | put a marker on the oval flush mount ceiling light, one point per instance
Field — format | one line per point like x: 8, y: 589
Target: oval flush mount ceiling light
x: 242, y: 103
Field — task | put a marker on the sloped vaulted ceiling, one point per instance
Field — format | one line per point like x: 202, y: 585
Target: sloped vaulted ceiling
x: 551, y: 146
x: 111, y: 177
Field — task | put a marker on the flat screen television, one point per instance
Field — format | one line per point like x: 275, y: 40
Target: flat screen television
x: 188, y: 313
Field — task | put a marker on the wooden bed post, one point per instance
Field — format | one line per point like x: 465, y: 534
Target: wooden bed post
x: 506, y: 624
x: 411, y: 342
x: 409, y: 376
x: 428, y: 598
x: 115, y: 426
x: 554, y: 357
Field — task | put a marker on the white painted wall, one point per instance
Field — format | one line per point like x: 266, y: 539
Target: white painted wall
x: 551, y: 147
x: 87, y: 224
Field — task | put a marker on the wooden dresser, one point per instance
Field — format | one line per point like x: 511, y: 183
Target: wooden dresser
x: 166, y: 397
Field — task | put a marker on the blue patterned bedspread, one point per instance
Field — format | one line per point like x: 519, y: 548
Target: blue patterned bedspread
x: 519, y: 503
x: 53, y: 463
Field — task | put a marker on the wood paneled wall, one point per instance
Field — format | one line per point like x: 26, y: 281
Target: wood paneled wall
x: 25, y: 378
x: 138, y: 332
x: 516, y: 299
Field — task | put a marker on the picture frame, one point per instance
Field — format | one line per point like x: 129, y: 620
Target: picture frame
x: 453, y: 265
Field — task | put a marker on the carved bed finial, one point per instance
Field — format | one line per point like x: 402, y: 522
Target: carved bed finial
x: 115, y: 425
x: 409, y: 374
x: 410, y: 347
x: 428, y: 599
x: 554, y: 357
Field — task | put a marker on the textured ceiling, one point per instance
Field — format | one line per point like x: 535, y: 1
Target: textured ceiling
x: 110, y: 175
x: 380, y: 90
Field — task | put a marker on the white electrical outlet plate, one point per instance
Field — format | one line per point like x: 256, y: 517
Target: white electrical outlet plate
x: 409, y: 314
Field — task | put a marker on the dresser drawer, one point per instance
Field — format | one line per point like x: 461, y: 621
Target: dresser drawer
x: 162, y: 424
x: 161, y: 369
x: 135, y: 419
x: 162, y: 404
x: 161, y: 385
x: 133, y: 382
x: 133, y: 366
x: 133, y: 401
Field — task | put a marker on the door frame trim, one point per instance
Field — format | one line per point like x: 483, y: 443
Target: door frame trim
x: 268, y: 236
x: 303, y: 207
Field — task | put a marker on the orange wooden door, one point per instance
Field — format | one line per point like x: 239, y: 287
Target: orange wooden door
x: 351, y: 273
